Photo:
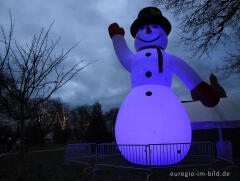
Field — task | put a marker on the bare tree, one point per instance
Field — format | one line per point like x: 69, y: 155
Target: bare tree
x: 206, y: 24
x: 111, y: 117
x: 48, y: 115
x: 80, y: 118
x: 30, y: 75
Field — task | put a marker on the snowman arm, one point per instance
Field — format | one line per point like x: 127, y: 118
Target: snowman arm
x: 122, y: 51
x: 185, y: 72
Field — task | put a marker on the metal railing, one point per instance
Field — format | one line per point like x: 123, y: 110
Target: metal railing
x: 150, y: 155
x: 77, y: 151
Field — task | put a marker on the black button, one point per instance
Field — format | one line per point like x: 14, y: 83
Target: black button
x: 148, y: 74
x: 149, y: 93
x: 148, y: 54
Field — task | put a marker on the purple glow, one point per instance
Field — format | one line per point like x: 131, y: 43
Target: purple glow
x: 156, y: 119
x: 156, y: 32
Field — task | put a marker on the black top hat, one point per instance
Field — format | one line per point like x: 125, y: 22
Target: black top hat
x: 153, y: 16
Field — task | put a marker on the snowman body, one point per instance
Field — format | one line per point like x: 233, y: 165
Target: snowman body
x: 152, y: 114
x: 148, y: 120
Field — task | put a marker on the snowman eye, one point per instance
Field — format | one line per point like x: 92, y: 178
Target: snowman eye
x: 154, y: 26
x: 142, y: 28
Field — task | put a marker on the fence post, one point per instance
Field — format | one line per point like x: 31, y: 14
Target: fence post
x: 149, y: 156
x: 66, y: 153
x: 96, y: 152
x: 146, y: 154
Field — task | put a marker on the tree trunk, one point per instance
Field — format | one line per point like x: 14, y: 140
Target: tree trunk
x: 22, y: 145
x: 42, y: 137
x: 41, y: 133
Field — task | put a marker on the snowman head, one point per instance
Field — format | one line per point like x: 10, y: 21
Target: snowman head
x: 150, y: 28
x: 150, y: 35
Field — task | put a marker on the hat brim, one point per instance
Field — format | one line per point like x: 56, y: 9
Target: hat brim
x: 152, y: 20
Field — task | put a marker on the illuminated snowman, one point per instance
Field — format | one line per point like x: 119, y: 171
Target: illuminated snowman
x: 152, y: 113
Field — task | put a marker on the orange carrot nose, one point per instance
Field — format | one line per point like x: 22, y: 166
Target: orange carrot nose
x: 148, y: 30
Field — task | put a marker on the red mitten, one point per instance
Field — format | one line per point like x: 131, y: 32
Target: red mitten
x: 114, y: 29
x: 206, y: 94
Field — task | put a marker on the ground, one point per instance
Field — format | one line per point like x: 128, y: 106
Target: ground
x: 49, y: 165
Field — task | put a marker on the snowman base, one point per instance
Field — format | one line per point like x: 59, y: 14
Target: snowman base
x: 153, y: 115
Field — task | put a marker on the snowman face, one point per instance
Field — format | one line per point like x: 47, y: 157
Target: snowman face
x: 150, y: 35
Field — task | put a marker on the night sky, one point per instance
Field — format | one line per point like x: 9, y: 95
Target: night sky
x: 87, y: 21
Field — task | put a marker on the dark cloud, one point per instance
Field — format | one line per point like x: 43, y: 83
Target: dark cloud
x: 105, y: 81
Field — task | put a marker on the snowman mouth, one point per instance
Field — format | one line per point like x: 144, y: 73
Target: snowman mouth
x: 149, y: 40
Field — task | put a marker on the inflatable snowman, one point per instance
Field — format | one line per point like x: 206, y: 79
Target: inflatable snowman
x: 152, y: 114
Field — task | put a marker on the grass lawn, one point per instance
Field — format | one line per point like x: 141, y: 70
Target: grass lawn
x: 38, y: 165
x: 50, y: 166
x: 47, y: 146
